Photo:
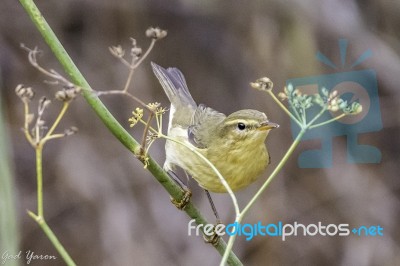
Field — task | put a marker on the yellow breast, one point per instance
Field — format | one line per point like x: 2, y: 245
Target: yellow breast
x: 240, y: 163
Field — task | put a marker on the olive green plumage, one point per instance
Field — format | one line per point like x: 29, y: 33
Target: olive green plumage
x: 234, y: 144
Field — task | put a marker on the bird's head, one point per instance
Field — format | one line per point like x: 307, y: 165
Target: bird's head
x: 246, y: 125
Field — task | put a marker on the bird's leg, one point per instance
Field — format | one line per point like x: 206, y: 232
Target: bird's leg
x: 214, y: 239
x: 213, y: 206
x: 187, y: 193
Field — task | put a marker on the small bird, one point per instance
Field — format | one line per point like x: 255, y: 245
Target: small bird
x: 234, y: 144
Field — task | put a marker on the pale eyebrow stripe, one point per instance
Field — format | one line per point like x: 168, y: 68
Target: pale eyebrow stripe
x: 248, y: 123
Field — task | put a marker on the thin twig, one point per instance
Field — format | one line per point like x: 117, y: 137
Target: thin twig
x: 113, y: 92
x: 153, y: 41
x: 130, y: 75
x: 32, y: 56
x: 146, y: 131
x: 53, y: 238
x: 328, y: 121
x: 57, y: 121
x: 26, y: 124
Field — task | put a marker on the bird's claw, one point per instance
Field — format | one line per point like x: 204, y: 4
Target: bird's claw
x: 181, y: 204
x: 213, y: 239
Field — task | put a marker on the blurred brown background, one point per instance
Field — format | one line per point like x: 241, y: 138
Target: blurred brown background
x: 107, y: 210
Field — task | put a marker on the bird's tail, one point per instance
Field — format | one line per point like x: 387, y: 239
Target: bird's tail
x: 174, y: 85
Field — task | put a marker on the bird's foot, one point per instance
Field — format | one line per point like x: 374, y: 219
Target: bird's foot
x: 181, y: 204
x: 212, y: 239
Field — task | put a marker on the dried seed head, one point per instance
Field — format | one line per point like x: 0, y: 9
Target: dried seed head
x: 262, y: 84
x: 40, y: 122
x: 61, y: 95
x: 354, y: 109
x: 136, y: 51
x: 333, y: 108
x: 297, y: 92
x: 153, y: 106
x: 358, y: 109
x: 133, y: 42
x: 282, y: 95
x: 67, y: 94
x: 43, y: 103
x: 70, y: 131
x: 117, y: 51
x: 25, y: 93
x: 156, y: 33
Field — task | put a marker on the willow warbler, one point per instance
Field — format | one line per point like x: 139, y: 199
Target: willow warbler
x: 234, y: 144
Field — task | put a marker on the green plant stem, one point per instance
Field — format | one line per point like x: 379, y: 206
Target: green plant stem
x: 262, y: 189
x: 54, y: 240
x: 39, y: 179
x: 221, y: 178
x: 303, y: 115
x: 9, y: 226
x: 26, y: 124
x: 299, y: 118
x: 328, y: 121
x: 229, y: 246
x: 315, y: 118
x: 110, y: 122
x: 57, y: 121
x: 275, y: 172
x: 39, y: 218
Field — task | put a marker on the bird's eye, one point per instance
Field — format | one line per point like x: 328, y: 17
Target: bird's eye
x: 241, y: 126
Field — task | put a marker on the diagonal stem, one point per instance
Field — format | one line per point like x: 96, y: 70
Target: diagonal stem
x: 110, y: 122
x: 270, y: 92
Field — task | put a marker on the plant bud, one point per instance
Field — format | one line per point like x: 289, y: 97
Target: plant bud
x: 263, y: 84
x: 356, y: 108
x: 70, y: 131
x: 117, y: 51
x: 25, y: 93
x: 156, y: 33
x: 67, y: 94
x: 136, y: 51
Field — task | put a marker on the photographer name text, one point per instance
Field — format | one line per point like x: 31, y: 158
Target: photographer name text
x: 29, y: 256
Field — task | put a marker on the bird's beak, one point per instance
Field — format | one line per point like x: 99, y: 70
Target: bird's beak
x: 267, y: 126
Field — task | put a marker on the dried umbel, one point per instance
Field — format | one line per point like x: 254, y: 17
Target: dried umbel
x: 67, y: 94
x: 136, y: 51
x: 117, y: 51
x: 70, y: 131
x: 262, y: 84
x: 156, y: 33
x: 24, y: 93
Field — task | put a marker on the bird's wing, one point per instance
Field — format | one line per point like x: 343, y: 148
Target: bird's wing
x: 204, y: 123
x: 174, y: 85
